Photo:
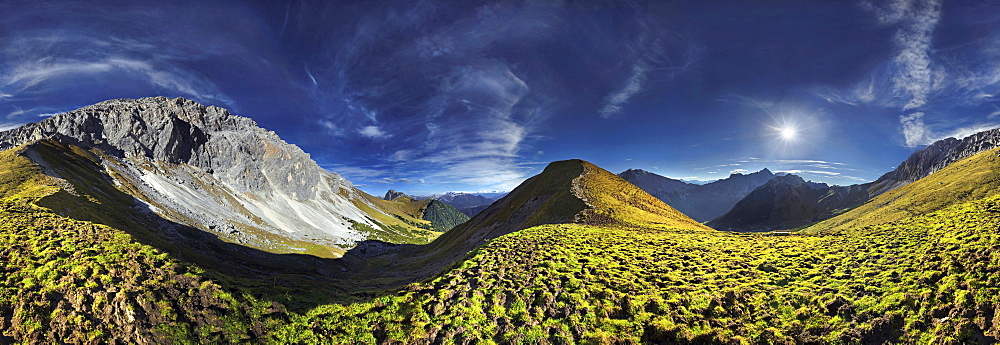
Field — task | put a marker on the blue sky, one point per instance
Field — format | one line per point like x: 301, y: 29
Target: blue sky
x: 434, y: 96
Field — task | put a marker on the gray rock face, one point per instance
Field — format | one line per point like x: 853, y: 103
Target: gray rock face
x: 392, y: 194
x: 180, y: 131
x: 935, y: 157
x: 204, y: 167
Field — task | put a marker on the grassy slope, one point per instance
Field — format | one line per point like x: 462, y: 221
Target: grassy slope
x: 969, y: 179
x: 928, y: 279
x: 443, y: 217
x: 616, y: 202
x: 402, y: 218
x: 81, y: 282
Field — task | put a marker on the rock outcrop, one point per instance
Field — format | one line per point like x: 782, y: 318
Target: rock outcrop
x: 935, y: 157
x: 204, y: 167
x: 392, y: 194
x: 181, y: 131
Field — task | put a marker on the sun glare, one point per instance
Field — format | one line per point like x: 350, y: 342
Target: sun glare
x: 788, y: 133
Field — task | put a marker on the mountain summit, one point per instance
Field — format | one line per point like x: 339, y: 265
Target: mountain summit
x: 701, y: 202
x: 203, y: 167
x: 570, y: 191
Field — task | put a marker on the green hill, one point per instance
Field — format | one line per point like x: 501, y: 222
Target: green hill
x: 571, y: 256
x: 443, y: 217
x: 571, y: 191
x: 969, y: 179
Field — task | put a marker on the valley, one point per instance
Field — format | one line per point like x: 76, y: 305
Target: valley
x: 575, y: 254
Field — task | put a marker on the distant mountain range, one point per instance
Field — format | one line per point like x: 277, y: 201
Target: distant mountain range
x: 701, y: 202
x: 468, y: 203
x: 789, y: 204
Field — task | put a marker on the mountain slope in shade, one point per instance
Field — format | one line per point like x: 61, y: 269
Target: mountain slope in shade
x: 973, y: 178
x: 701, y: 202
x: 474, y: 210
x: 203, y: 167
x: 787, y: 202
x: 792, y: 210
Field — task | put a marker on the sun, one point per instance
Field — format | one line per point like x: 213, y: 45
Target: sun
x: 788, y: 133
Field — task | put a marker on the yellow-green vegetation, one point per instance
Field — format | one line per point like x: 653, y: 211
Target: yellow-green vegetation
x: 79, y: 282
x: 636, y: 272
x: 969, y: 179
x: 402, y: 217
x: 614, y: 201
x: 443, y: 217
x: 927, y: 279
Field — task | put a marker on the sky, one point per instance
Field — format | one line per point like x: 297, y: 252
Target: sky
x: 434, y: 96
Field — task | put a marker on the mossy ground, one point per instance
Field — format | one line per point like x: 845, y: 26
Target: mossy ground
x: 927, y: 279
x: 922, y: 278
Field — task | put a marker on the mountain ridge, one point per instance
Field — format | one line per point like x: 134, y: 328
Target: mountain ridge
x: 787, y: 202
x: 204, y: 167
x: 702, y: 202
x: 920, y: 164
x: 569, y: 191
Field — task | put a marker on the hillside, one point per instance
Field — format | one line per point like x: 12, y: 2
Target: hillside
x: 928, y: 279
x: 701, y: 202
x: 206, y: 168
x: 969, y: 179
x: 572, y: 191
x: 787, y: 202
x: 630, y: 270
x: 439, y: 216
x: 768, y: 209
x: 86, y: 280
x: 443, y: 217
x: 935, y: 157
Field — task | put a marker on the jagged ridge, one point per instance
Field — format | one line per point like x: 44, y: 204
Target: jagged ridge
x: 701, y: 202
x: 204, y: 167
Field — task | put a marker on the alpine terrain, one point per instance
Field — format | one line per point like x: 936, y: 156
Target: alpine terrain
x: 702, y: 202
x: 113, y: 235
x: 206, y: 168
x: 788, y: 204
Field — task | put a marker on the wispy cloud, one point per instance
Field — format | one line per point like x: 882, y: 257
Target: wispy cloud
x: 815, y: 169
x: 914, y: 130
x: 373, y: 132
x: 917, y: 20
x: 46, y: 60
x: 917, y: 77
x: 613, y: 103
x: 10, y: 125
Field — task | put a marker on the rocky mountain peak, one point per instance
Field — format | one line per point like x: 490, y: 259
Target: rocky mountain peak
x: 935, y: 157
x: 392, y: 194
x: 789, y: 179
x: 181, y: 131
